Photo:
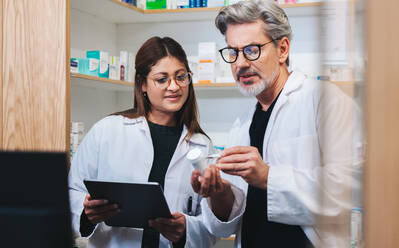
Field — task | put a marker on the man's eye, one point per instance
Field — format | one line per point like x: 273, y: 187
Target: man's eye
x: 232, y: 52
x: 251, y: 50
x: 162, y: 80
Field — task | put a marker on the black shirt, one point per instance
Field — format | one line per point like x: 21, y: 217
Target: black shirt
x: 164, y: 140
x: 257, y: 230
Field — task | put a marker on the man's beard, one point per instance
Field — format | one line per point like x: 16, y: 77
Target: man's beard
x: 256, y: 89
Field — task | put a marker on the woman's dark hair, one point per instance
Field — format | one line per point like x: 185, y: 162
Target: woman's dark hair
x: 147, y: 56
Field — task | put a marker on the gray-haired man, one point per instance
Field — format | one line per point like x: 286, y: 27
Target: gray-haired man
x: 290, y: 155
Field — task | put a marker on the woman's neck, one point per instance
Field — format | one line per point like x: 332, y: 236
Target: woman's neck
x: 161, y: 118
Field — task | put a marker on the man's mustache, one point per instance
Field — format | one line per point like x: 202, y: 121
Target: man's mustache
x: 245, y: 71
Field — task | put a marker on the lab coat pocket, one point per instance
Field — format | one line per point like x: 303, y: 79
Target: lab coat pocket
x: 300, y: 152
x: 190, y: 204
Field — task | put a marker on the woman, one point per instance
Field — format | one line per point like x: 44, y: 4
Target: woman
x: 148, y: 142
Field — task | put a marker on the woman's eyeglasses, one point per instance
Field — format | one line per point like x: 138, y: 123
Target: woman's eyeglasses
x: 181, y: 79
x: 251, y: 52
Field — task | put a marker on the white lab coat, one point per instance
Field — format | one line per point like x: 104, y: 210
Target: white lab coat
x: 120, y: 149
x: 308, y: 146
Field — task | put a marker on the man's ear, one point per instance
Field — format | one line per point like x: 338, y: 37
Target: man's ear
x: 283, y: 50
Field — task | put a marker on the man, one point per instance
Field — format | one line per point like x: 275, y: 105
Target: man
x: 291, y: 155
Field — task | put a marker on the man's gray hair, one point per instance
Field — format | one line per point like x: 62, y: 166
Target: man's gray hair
x: 277, y: 24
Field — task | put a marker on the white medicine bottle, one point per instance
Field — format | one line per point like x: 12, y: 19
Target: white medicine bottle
x: 197, y: 159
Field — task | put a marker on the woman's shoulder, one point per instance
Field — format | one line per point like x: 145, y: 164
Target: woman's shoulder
x: 115, y: 121
x: 200, y: 139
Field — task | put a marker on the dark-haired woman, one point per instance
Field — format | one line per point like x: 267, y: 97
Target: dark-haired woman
x: 148, y: 142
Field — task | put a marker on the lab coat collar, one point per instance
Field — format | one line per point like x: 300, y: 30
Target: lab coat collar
x: 294, y: 82
x: 198, y: 139
x: 184, y: 142
x: 184, y: 146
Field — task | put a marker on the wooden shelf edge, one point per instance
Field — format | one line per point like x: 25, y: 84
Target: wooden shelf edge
x: 127, y: 6
x: 300, y: 5
x: 128, y: 84
x: 190, y: 10
x: 210, y: 85
x: 106, y: 80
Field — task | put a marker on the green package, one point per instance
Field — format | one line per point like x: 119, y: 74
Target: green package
x: 156, y: 4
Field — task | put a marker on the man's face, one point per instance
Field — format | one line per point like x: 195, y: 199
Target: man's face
x: 252, y: 76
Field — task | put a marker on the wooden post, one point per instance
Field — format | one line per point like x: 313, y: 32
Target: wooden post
x: 382, y: 110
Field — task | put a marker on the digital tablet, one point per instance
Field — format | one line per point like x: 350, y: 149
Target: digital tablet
x: 138, y: 202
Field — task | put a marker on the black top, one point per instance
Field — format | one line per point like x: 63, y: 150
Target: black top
x: 164, y: 141
x: 257, y: 230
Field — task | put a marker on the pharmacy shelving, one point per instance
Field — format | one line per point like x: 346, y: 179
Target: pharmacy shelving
x: 97, y: 82
x: 118, y: 85
x: 116, y: 11
x: 113, y: 26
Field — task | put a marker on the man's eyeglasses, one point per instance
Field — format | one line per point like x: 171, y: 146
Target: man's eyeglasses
x: 251, y: 52
x: 182, y: 79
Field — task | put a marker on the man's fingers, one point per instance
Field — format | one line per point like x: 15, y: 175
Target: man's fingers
x: 205, y: 180
x: 232, y: 167
x: 218, y: 181
x: 234, y: 158
x: 213, y: 184
x: 237, y: 150
x: 195, y: 181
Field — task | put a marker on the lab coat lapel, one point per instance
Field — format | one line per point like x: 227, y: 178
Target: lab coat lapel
x: 184, y: 146
x: 142, y: 124
x: 181, y: 149
x: 294, y: 82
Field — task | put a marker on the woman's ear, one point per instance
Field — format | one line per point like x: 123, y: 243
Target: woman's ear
x: 283, y: 50
x: 144, y: 87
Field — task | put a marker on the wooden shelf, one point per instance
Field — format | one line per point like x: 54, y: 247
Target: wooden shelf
x: 115, y: 11
x: 97, y: 82
x: 106, y: 83
x: 117, y: 85
x: 215, y: 85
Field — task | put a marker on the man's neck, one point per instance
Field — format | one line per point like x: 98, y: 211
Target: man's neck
x: 266, y: 97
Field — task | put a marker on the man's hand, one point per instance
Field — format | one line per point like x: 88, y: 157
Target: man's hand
x: 173, y: 228
x: 246, y: 162
x: 99, y: 210
x: 211, y: 184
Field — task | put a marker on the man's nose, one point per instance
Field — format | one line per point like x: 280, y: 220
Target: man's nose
x: 241, y: 61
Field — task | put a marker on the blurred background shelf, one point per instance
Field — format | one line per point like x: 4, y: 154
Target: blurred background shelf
x: 118, y: 12
x: 118, y: 85
x: 97, y: 82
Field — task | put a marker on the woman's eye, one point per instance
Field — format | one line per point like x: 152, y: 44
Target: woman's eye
x: 162, y: 80
x: 181, y: 77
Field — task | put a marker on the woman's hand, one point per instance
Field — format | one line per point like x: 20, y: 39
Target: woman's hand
x: 99, y: 210
x: 172, y: 228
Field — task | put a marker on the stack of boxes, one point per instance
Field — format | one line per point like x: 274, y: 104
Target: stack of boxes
x: 100, y: 64
x: 206, y: 65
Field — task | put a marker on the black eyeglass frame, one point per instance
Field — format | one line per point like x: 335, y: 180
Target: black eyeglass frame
x: 245, y: 55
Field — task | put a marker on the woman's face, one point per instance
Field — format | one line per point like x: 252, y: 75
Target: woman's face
x: 164, y: 88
